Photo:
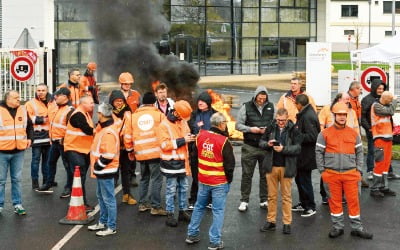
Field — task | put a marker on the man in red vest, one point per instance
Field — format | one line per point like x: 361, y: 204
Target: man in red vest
x: 216, y: 166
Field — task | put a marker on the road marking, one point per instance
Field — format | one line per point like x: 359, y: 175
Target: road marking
x: 76, y: 228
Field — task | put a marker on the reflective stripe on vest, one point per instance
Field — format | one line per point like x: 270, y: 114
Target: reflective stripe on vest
x: 112, y: 167
x: 75, y: 139
x: 174, y: 155
x: 38, y: 127
x: 381, y: 126
x: 13, y: 130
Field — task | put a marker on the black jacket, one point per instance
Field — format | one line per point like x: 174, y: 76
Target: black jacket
x: 309, y: 128
x: 291, y: 149
x: 366, y: 104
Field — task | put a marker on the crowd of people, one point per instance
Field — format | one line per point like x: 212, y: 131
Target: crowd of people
x: 168, y: 139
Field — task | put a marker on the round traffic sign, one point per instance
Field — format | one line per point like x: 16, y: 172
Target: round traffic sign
x: 372, y: 71
x: 22, y: 68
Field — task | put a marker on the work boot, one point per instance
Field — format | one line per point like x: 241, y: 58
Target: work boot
x: 334, y: 233
x: 35, y: 184
x: 387, y: 191
x: 377, y: 183
x: 376, y: 194
x: 171, y: 221
x: 362, y: 234
x: 127, y: 198
x: 184, y: 216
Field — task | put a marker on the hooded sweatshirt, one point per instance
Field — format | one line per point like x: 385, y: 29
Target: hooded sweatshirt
x: 201, y: 119
x: 366, y: 104
x: 117, y: 94
x: 252, y: 115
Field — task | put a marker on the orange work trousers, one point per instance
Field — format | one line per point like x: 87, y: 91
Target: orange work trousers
x: 337, y: 182
x: 383, y: 156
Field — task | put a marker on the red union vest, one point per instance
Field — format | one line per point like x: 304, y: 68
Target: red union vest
x: 211, y: 168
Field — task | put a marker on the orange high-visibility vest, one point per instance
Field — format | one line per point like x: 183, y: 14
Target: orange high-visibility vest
x: 58, y: 121
x: 145, y: 122
x: 13, y: 130
x: 381, y: 126
x: 105, y: 144
x: 75, y: 139
x: 37, y: 108
x: 133, y: 99
x: 76, y: 93
x: 211, y: 161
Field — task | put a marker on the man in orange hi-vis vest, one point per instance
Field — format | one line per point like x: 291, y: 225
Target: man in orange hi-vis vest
x: 339, y: 157
x: 382, y: 133
x: 16, y: 135
x: 174, y: 135
x: 78, y: 140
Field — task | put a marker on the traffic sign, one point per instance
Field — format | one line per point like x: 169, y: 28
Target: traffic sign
x: 372, y: 72
x: 22, y: 68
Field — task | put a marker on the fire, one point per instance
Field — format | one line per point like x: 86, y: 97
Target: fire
x: 219, y: 105
x: 154, y: 85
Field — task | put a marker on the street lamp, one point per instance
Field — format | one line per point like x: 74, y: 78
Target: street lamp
x: 369, y: 23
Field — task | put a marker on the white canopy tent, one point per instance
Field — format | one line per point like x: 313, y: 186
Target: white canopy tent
x: 387, y: 51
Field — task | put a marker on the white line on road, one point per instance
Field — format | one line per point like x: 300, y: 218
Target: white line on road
x: 76, y: 228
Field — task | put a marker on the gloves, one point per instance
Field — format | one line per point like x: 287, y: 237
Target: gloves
x: 97, y: 166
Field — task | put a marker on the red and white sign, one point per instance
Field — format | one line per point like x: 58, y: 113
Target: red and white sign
x: 372, y: 71
x: 22, y: 68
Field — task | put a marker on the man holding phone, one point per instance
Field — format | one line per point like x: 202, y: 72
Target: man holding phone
x: 282, y: 144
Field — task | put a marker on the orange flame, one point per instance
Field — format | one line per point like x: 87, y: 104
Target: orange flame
x: 219, y: 105
x: 154, y: 85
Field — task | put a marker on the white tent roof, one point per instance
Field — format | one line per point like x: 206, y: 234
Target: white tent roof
x: 386, y: 51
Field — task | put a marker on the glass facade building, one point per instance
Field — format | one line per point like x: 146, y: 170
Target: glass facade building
x: 220, y: 37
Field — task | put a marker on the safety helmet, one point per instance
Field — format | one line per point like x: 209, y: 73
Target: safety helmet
x: 92, y: 66
x: 125, y: 77
x: 183, y: 109
x: 340, y: 108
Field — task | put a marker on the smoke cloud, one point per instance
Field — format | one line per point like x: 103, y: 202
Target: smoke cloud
x: 124, y: 31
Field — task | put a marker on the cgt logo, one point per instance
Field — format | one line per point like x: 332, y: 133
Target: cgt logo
x: 145, y: 122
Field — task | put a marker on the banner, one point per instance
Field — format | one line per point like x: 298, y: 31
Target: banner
x: 318, y: 72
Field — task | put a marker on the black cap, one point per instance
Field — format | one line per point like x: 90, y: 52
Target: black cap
x: 149, y: 98
x: 63, y: 91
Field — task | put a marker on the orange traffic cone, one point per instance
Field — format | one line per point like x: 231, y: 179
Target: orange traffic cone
x: 76, y: 213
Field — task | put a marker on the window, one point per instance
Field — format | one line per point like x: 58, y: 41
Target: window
x: 387, y: 7
x: 389, y: 33
x: 348, y: 32
x: 349, y: 10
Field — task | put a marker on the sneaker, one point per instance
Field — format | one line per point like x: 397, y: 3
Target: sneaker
x: 209, y: 206
x: 96, y: 227
x: 370, y: 176
x: 216, y: 246
x: 308, y: 213
x: 362, y: 234
x: 243, y: 206
x: 268, y: 226
x: 286, y: 229
x: 392, y: 175
x: 45, y: 189
x: 191, y: 207
x: 144, y: 207
x: 88, y: 208
x: 264, y: 205
x: 18, y: 209
x: 334, y: 233
x: 171, y: 221
x: 158, y: 211
x: 325, y: 200
x: 191, y: 239
x: 66, y: 193
x: 184, y: 216
x: 106, y: 232
x: 298, y: 208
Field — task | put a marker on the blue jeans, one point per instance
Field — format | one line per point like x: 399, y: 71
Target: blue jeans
x: 179, y: 183
x: 107, y: 202
x: 37, y: 152
x: 218, y: 194
x: 15, y: 161
x: 150, y: 171
x: 57, y: 150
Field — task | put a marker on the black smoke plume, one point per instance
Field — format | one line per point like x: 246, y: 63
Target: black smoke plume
x: 125, y: 32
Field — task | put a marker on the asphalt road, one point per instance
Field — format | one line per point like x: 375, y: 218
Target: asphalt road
x: 39, y: 229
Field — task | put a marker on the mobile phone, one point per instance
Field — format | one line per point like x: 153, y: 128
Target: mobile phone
x: 275, y: 143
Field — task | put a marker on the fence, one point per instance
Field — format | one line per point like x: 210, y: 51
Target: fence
x: 27, y: 88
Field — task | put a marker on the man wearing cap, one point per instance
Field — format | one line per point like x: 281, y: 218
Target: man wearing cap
x: 88, y: 82
x: 145, y: 146
x: 78, y: 140
x: 38, y: 112
x: 339, y: 157
x: 174, y: 135
x: 104, y: 162
x: 59, y: 112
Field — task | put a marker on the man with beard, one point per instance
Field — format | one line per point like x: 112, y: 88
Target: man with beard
x: 163, y: 103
